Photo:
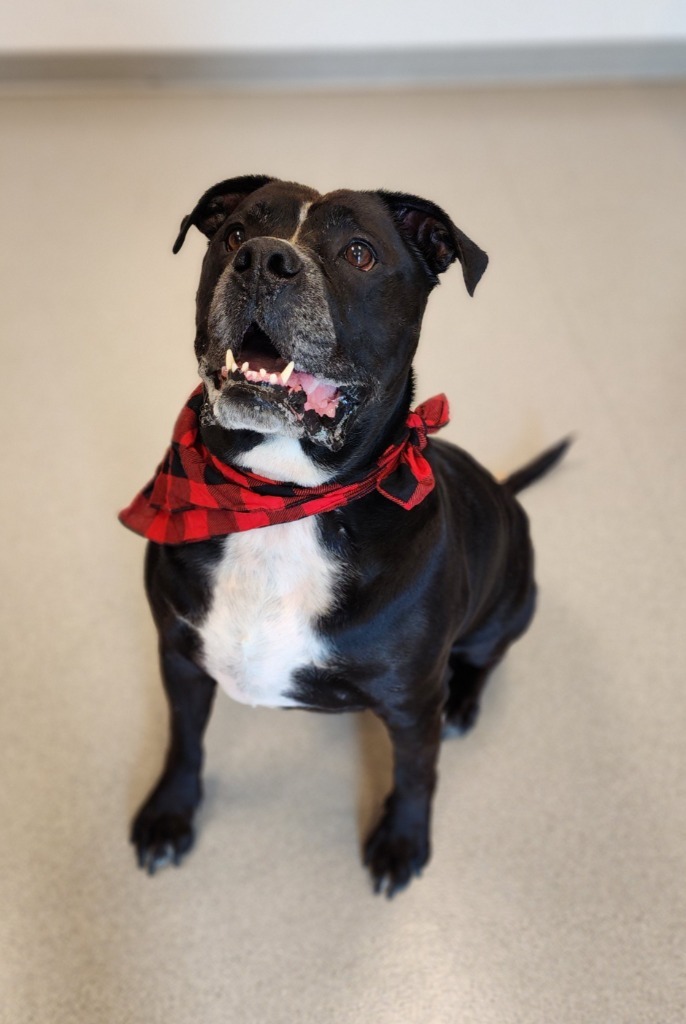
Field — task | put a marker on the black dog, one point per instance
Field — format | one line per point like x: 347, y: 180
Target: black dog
x: 406, y: 570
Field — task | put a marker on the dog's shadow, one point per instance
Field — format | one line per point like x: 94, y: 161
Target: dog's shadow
x: 375, y: 770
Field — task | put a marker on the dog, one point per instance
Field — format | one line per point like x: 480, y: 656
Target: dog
x: 309, y: 547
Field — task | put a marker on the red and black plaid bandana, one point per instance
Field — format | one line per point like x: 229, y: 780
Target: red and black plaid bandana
x: 194, y: 496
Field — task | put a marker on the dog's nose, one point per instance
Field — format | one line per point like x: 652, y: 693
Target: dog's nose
x: 268, y: 257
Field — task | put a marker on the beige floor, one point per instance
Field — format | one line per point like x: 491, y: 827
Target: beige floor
x: 557, y: 890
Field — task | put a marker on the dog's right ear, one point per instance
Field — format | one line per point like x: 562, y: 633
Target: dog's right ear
x: 217, y: 203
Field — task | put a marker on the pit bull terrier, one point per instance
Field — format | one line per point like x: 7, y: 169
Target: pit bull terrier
x: 309, y: 546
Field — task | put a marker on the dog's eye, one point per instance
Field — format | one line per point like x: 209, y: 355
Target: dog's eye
x: 235, y: 238
x: 360, y: 255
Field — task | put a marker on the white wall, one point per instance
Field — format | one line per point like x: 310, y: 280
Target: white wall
x: 211, y: 25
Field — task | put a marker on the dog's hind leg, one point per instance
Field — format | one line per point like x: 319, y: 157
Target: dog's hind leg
x: 464, y: 699
x: 472, y: 661
x: 474, y: 657
x: 162, y: 831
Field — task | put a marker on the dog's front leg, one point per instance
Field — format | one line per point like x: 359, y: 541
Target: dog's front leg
x: 399, y: 845
x: 162, y: 830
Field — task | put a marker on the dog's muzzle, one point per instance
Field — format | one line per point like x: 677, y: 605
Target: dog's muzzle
x: 267, y: 375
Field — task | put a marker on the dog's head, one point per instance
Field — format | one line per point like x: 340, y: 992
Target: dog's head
x: 309, y: 306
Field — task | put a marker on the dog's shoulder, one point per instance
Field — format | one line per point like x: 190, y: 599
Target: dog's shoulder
x: 178, y: 578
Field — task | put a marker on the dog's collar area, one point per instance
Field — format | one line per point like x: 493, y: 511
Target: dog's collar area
x: 194, y: 496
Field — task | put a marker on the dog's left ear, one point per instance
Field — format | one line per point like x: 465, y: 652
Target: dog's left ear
x: 435, y: 239
x: 217, y: 203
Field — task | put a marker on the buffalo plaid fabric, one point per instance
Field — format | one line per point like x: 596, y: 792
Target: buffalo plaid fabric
x: 194, y: 496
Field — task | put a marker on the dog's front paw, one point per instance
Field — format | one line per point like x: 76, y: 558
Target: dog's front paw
x: 161, y: 838
x: 396, y: 851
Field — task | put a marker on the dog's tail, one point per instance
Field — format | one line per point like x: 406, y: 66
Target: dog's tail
x: 521, y: 478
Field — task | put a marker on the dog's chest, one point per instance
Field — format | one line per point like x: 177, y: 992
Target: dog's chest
x: 268, y: 590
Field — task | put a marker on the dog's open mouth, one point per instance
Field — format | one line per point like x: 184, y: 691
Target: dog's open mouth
x: 255, y: 372
x: 261, y: 364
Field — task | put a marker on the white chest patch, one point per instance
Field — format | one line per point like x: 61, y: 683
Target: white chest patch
x: 282, y: 458
x: 270, y: 586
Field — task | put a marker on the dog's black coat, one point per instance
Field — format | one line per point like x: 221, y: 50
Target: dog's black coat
x: 432, y: 597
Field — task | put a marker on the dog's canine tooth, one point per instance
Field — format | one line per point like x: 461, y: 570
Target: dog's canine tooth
x: 285, y: 374
x: 230, y: 361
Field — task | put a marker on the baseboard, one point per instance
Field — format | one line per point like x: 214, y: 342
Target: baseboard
x: 358, y: 68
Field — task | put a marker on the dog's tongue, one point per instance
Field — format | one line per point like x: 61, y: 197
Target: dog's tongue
x: 321, y: 397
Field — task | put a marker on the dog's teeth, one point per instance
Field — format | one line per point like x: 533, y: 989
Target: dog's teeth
x: 263, y: 372
x: 273, y: 378
x: 230, y: 361
x: 245, y: 366
x: 285, y: 374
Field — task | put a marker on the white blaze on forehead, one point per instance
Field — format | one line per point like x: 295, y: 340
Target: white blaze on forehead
x: 301, y: 220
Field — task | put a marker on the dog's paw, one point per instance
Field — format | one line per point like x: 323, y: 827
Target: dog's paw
x: 461, y: 719
x: 161, y: 839
x: 395, y: 854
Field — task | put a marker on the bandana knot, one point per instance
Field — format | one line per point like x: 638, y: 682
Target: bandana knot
x: 193, y: 496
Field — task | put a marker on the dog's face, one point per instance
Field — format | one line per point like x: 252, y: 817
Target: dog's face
x: 309, y: 306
